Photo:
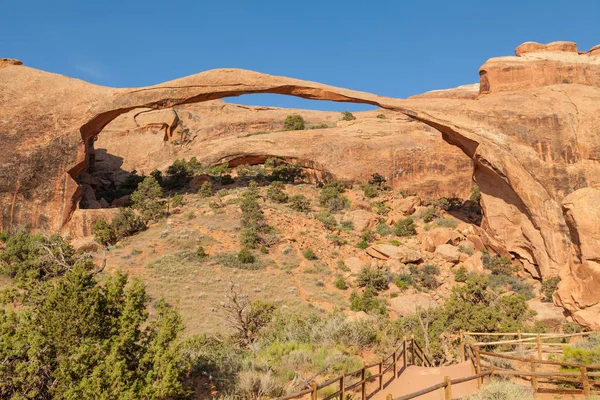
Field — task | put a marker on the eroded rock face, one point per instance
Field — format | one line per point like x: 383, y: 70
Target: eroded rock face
x: 410, y: 154
x: 533, y: 141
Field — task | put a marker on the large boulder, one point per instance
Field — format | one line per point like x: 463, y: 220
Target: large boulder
x: 548, y: 313
x: 407, y: 305
x: 433, y: 238
x: 401, y: 253
x: 362, y: 219
x: 475, y: 263
x: 448, y: 253
x: 355, y: 264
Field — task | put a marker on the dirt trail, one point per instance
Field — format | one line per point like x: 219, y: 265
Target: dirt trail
x: 416, y: 378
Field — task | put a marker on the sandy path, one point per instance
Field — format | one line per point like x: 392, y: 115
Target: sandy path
x: 416, y: 378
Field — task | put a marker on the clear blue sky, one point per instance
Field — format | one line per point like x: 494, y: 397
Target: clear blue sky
x: 393, y: 48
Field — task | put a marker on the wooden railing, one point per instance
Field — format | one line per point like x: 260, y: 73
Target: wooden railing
x: 582, y: 376
x: 408, y: 353
x: 446, y: 385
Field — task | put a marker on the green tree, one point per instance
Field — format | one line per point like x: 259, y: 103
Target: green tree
x: 348, y: 116
x: 293, y: 123
x: 71, y: 337
x: 206, y: 190
x: 146, y: 199
x: 372, y: 278
x: 275, y: 192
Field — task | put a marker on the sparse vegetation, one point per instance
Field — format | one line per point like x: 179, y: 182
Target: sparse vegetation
x: 276, y: 193
x: 300, y: 203
x: 293, y: 123
x: 348, y: 116
x: 371, y: 278
x: 381, y: 116
x: 309, y: 254
x: 340, y: 283
x: 206, y: 189
x: 405, y: 227
x: 125, y: 223
x: 147, y: 199
x: 549, y: 286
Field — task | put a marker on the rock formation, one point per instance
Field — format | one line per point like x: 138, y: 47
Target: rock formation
x: 411, y: 155
x: 532, y: 134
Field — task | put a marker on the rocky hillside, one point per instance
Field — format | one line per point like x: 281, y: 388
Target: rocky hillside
x: 531, y: 134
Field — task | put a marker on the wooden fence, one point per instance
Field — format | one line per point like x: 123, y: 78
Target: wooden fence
x: 408, y: 353
x: 581, y: 376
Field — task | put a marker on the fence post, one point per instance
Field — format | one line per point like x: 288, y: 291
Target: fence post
x: 478, y: 366
x: 412, y: 349
x: 395, y: 364
x: 519, y: 335
x: 462, y: 347
x: 363, y: 385
x: 447, y: 388
x: 342, y: 386
x: 539, y: 347
x: 534, y: 381
x: 586, y: 381
x: 404, y: 353
x: 313, y: 394
x: 380, y: 374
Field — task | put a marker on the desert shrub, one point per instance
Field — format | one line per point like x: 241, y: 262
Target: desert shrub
x: 104, y: 233
x: 327, y: 220
x: 427, y: 276
x: 475, y: 194
x: 367, y: 302
x: 293, y: 122
x: 368, y: 236
x: 309, y: 254
x: 231, y: 260
x: 448, y: 203
x: 177, y: 200
x: 370, y: 190
x: 348, y: 116
x: 378, y: 181
x: 346, y: 225
x: 500, y: 389
x: 430, y: 214
x: 381, y: 116
x: 201, y: 253
x: 498, y: 265
x: 571, y: 327
x: 506, y: 282
x: 384, y: 229
x: 337, y: 240
x: 337, y: 204
x: 275, y: 192
x: 178, y: 175
x: 446, y: 223
x: 245, y: 256
x: 363, y: 244
x: 460, y: 274
x: 342, y: 266
x: 249, y: 237
x: 206, y: 189
x: 190, y: 215
x: 330, y: 190
x: 549, y: 286
x: 372, y: 278
x: 405, y: 227
x: 300, y: 203
x: 226, y: 179
x: 340, y: 283
x: 403, y: 281
x: 146, y: 199
x: 125, y: 223
x: 219, y: 170
x: 288, y: 173
x: 380, y: 208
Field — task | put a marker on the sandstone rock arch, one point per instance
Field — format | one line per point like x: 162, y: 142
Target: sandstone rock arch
x: 533, y: 139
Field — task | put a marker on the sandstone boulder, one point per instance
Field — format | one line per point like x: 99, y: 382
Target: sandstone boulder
x: 401, y: 253
x: 475, y: 263
x: 408, y: 304
x: 405, y: 206
x: 362, y: 220
x: 448, y: 253
x: 548, y: 313
x: 355, y: 264
x: 431, y: 239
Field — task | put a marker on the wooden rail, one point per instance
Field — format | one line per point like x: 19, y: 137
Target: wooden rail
x: 408, y: 353
x: 582, y: 376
